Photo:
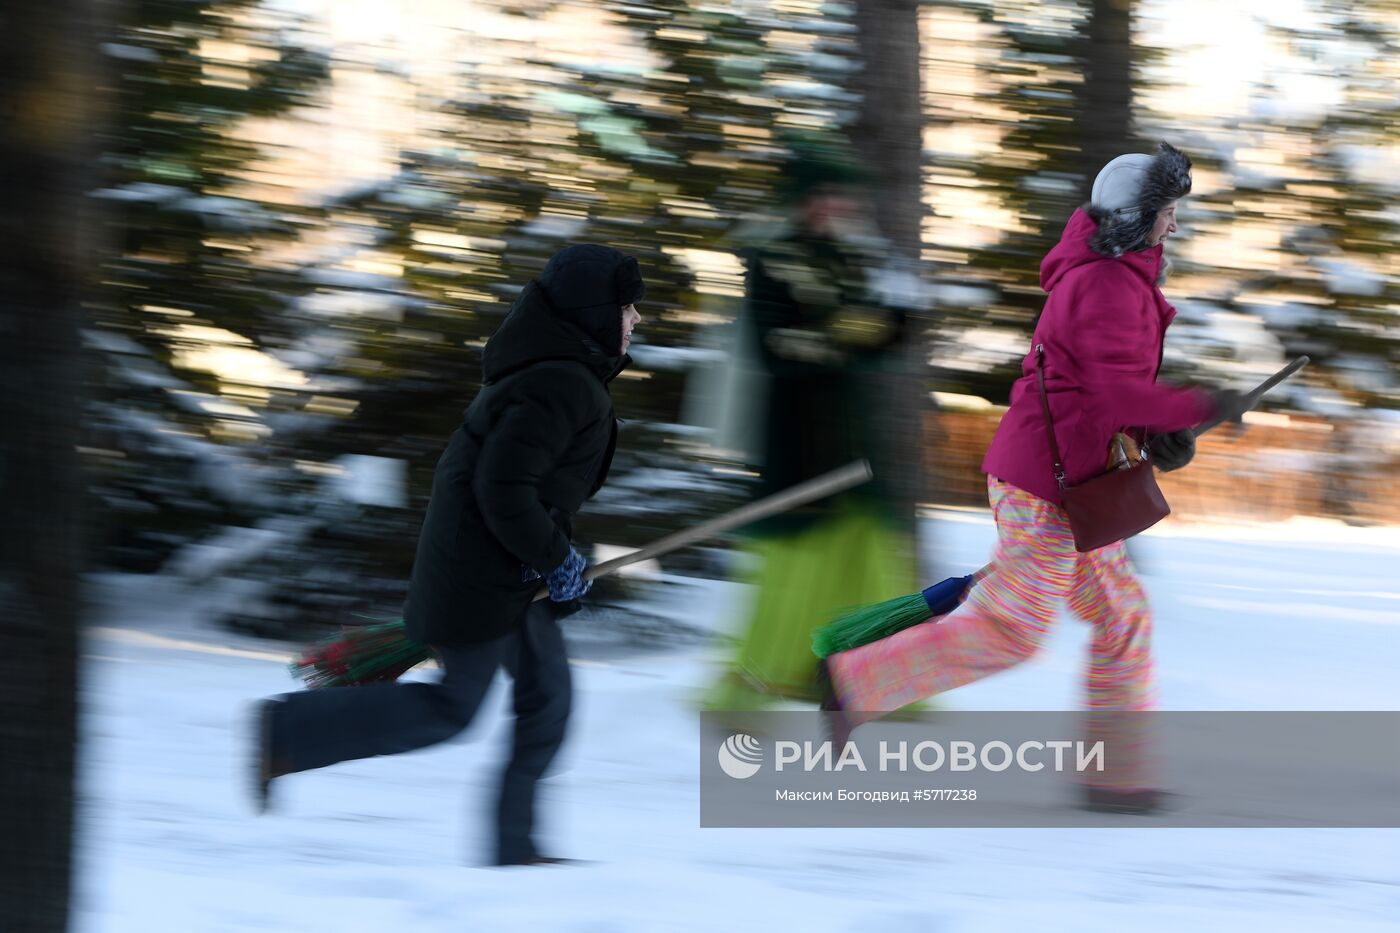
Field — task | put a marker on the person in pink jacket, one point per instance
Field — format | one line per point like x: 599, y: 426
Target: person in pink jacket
x: 1102, y: 331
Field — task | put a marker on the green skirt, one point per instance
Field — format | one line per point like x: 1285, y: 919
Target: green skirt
x: 800, y: 582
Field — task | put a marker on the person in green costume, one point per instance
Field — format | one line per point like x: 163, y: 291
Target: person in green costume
x: 825, y: 310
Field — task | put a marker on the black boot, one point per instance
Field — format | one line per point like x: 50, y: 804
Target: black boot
x: 264, y: 769
x: 545, y: 860
x: 1132, y: 802
x: 838, y: 725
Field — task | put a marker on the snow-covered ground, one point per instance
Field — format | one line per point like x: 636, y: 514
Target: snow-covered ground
x: 1303, y: 616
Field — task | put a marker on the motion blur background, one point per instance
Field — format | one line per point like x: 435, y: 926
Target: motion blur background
x: 314, y: 214
x: 294, y: 224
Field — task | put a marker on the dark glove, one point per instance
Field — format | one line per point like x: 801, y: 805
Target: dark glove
x: 1173, y: 451
x: 566, y: 582
x: 1230, y: 405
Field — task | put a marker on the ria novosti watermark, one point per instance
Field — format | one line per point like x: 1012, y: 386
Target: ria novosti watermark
x: 903, y: 755
x: 1033, y: 769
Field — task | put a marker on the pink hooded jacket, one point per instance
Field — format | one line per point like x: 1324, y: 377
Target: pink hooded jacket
x: 1102, y: 329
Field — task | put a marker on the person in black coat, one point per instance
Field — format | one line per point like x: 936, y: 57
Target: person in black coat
x: 534, y: 444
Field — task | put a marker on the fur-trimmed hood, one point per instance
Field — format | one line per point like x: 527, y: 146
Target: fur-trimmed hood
x: 1167, y: 178
x: 1075, y: 251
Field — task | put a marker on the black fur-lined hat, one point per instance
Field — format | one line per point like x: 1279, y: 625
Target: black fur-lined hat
x: 1130, y: 191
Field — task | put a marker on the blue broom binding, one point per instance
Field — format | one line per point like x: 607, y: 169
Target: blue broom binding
x: 880, y: 620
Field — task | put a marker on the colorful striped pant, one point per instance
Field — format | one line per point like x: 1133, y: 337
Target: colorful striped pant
x: 1005, y: 618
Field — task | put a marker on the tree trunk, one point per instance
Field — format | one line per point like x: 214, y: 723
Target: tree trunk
x: 44, y: 154
x: 889, y: 131
x: 889, y: 137
x: 1106, y: 98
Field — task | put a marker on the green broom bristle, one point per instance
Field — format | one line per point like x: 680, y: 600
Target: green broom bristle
x: 870, y: 623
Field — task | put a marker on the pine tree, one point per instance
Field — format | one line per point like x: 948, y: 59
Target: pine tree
x: 185, y: 267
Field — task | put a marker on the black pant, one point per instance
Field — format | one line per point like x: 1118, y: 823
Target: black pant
x: 315, y: 728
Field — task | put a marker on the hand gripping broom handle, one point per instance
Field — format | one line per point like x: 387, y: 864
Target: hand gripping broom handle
x: 1253, y: 398
x: 852, y: 474
x: 1258, y: 391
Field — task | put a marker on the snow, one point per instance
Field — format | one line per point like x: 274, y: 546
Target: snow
x: 222, y: 212
x: 415, y: 197
x: 1322, y: 401
x: 1372, y: 164
x: 372, y: 304
x: 220, y: 468
x: 109, y: 342
x: 962, y: 296
x: 658, y: 481
x: 1302, y: 615
x: 1289, y: 315
x: 555, y: 226
x: 132, y: 53
x: 354, y: 281
x: 1352, y: 278
x: 650, y: 569
x: 979, y: 349
x: 799, y: 89
x: 145, y: 372
x: 142, y: 191
x: 655, y: 357
x: 203, y: 403
x: 232, y: 547
x: 371, y: 480
x: 1365, y: 373
x: 1236, y: 337
x: 898, y: 287
x: 213, y: 204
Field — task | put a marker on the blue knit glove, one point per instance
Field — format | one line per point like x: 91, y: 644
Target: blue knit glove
x: 566, y: 582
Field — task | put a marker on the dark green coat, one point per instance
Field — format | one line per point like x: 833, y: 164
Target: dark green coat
x: 826, y: 345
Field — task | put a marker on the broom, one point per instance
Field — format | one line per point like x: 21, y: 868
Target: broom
x: 881, y: 620
x: 360, y: 654
x: 382, y: 653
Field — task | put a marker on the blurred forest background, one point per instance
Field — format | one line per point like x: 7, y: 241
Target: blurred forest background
x: 311, y: 215
x: 315, y: 213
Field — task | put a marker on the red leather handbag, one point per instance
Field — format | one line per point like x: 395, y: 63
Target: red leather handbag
x: 1110, y: 507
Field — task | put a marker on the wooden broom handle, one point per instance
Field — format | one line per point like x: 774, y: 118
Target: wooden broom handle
x: 852, y: 474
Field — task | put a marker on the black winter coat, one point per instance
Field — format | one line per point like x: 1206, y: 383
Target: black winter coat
x: 535, y: 443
